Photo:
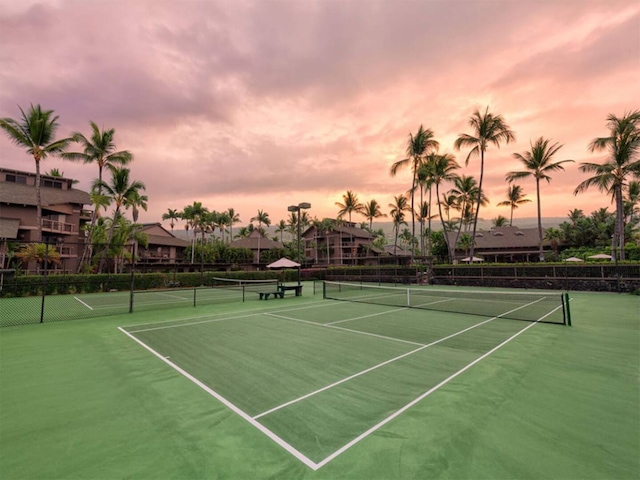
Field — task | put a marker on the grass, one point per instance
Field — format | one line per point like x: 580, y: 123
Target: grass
x: 80, y: 399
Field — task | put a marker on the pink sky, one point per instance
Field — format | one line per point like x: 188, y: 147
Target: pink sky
x: 262, y: 104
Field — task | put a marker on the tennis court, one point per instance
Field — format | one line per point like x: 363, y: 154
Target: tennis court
x: 311, y: 388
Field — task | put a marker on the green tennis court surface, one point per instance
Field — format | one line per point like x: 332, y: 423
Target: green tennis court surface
x: 309, y: 388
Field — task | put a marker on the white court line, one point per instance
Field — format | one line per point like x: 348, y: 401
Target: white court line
x: 359, y: 332
x: 426, y: 394
x: 83, y: 303
x: 370, y: 369
x: 228, y: 316
x: 293, y: 451
x: 300, y: 456
x: 366, y: 316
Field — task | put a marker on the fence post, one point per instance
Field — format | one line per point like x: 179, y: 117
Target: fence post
x: 44, y: 279
x: 133, y: 268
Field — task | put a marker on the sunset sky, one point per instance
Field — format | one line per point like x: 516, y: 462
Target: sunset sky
x: 263, y: 104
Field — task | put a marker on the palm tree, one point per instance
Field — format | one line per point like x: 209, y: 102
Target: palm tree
x: 515, y: 198
x: 171, y: 215
x: 444, y: 167
x: 99, y: 201
x: 372, y: 210
x: 135, y: 201
x: 120, y: 189
x: 417, y: 147
x: 281, y: 228
x: 398, y: 207
x: 350, y: 204
x: 499, y: 221
x: 465, y: 194
x: 487, y: 129
x: 631, y: 201
x: 38, y: 253
x: 233, y: 219
x: 575, y: 215
x: 262, y: 217
x: 36, y: 132
x: 554, y: 235
x: 538, y: 164
x: 100, y: 149
x: 623, y: 146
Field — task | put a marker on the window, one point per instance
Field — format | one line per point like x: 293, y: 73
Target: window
x: 16, y: 179
x: 52, y: 184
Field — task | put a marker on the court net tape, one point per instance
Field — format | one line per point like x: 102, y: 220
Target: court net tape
x: 549, y: 307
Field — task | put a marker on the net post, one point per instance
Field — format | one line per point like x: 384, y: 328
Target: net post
x: 568, y: 309
x: 324, y: 290
x: 243, y: 290
x: 408, y: 297
x: 194, y: 296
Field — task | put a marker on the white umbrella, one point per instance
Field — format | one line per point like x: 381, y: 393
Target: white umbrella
x: 601, y: 256
x: 573, y: 259
x: 283, y: 263
x: 474, y: 259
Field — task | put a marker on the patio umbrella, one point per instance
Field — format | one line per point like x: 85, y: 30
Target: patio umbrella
x: 573, y: 259
x: 283, y: 263
x: 474, y: 259
x: 601, y: 256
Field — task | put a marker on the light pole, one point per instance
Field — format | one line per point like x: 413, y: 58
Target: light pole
x: 297, y: 208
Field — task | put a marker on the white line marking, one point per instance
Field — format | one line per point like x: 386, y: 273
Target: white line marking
x: 83, y: 303
x: 300, y: 456
x: 425, y: 394
x: 366, y: 316
x: 359, y: 332
x: 372, y: 368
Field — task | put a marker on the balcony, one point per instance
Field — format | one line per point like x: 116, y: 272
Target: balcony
x: 58, y: 227
x: 85, y: 214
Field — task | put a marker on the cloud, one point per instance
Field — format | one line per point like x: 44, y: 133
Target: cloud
x: 260, y: 104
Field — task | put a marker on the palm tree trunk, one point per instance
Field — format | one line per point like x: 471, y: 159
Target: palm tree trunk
x: 455, y: 244
x: 444, y: 228
x: 619, y: 228
x: 88, y: 241
x: 109, y: 238
x: 541, y: 253
x: 413, y: 214
x: 511, y: 219
x: 429, y: 221
x: 421, y: 221
x: 38, y: 202
x: 478, y: 200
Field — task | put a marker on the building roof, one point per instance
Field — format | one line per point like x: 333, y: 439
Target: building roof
x: 251, y: 242
x: 158, y: 235
x: 9, y: 227
x: 500, y: 238
x: 347, y: 229
x: 20, y: 194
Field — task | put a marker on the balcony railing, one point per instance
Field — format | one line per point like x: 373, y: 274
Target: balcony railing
x: 55, y: 226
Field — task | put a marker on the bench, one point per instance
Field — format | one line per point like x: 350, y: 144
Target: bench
x: 297, y: 288
x: 265, y: 295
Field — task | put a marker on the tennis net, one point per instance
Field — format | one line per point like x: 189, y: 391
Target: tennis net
x: 246, y: 285
x: 531, y: 307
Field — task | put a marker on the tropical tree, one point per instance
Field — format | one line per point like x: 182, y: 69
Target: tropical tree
x: 499, y: 221
x: 192, y: 214
x: 444, y: 167
x: 171, y: 215
x: 233, y: 219
x: 575, y: 215
x: 515, y: 198
x: 121, y: 189
x: 488, y: 129
x: 99, y: 201
x: 100, y: 149
x: 135, y: 201
x: 464, y: 194
x: 281, y: 227
x: 622, y: 164
x: 631, y: 201
x: 261, y: 217
x: 36, y: 131
x: 371, y: 210
x: 417, y: 147
x: 349, y: 205
x: 538, y: 163
x: 555, y: 236
x: 40, y: 253
x: 398, y: 208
